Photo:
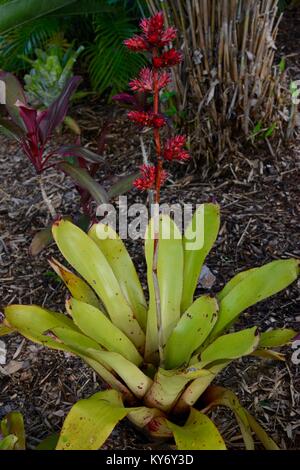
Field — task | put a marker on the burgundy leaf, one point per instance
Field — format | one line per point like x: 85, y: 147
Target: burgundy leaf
x: 29, y: 117
x: 56, y: 113
x: 80, y: 152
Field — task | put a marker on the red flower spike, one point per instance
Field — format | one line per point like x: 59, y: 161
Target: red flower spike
x: 145, y: 81
x: 145, y: 119
x: 174, y: 150
x: 168, y: 59
x: 158, y: 121
x: 155, y: 24
x: 168, y: 36
x: 136, y: 44
x: 147, y: 179
x: 154, y: 33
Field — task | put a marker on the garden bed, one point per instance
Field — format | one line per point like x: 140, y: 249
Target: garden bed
x: 259, y: 196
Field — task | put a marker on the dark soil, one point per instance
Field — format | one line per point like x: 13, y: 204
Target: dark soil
x: 259, y: 196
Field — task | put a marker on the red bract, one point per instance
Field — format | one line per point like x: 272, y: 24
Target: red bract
x: 148, y: 177
x: 145, y: 119
x: 146, y: 80
x: 174, y: 150
x: 136, y: 44
x: 168, y: 59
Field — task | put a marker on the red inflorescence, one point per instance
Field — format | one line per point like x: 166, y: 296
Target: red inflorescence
x: 168, y: 59
x: 145, y: 81
x: 174, y: 149
x: 136, y: 44
x: 145, y: 119
x: 148, y: 178
x: 153, y: 34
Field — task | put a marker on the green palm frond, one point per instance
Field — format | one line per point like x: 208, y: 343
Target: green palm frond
x: 23, y: 40
x: 110, y: 64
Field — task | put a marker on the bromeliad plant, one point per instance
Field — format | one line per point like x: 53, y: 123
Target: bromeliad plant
x: 50, y: 72
x: 158, y: 357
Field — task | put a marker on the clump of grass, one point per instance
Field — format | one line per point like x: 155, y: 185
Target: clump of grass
x: 228, y: 78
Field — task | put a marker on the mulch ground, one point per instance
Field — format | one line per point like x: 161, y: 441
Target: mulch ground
x: 259, y: 196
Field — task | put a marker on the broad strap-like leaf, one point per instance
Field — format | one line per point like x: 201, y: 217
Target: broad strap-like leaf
x: 266, y: 440
x: 82, y: 152
x: 276, y: 338
x: 220, y: 396
x: 234, y: 282
x: 196, y: 388
x: 198, y: 240
x: 93, y: 323
x: 231, y: 346
x: 8, y: 442
x: 33, y: 322
x: 198, y: 433
x: 78, y: 288
x: 165, y: 286
x: 5, y: 330
x: 255, y: 287
x: 191, y: 331
x: 121, y: 263
x: 86, y: 348
x: 168, y: 386
x: 13, y: 424
x: 18, y: 12
x: 132, y: 376
x: 86, y: 258
x: 91, y: 421
x: 83, y: 179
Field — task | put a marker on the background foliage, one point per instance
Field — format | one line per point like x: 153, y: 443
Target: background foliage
x: 101, y: 26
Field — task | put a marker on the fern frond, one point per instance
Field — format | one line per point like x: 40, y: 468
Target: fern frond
x: 23, y: 41
x: 110, y: 64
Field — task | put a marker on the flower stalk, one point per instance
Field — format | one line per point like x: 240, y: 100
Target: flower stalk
x: 151, y: 80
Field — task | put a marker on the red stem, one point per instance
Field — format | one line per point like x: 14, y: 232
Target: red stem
x: 156, y: 132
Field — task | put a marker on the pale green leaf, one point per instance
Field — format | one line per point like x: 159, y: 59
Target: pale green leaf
x: 93, y: 323
x: 255, y: 287
x: 220, y: 396
x: 120, y: 262
x: 91, y: 421
x: 231, y: 346
x: 169, y: 279
x: 79, y: 289
x: 33, y: 322
x: 191, y: 331
x: 198, y: 433
x: 86, y: 258
x: 202, y: 230
x: 276, y: 338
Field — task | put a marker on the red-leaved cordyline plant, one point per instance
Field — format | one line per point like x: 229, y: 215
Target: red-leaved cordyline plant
x: 154, y: 39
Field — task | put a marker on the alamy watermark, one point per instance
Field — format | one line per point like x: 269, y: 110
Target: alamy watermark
x: 295, y: 92
x: 2, y: 92
x: 137, y: 221
x: 296, y: 354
